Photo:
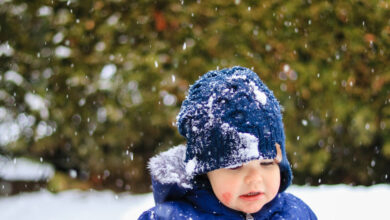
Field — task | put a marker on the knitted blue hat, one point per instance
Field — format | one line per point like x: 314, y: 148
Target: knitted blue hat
x: 230, y: 117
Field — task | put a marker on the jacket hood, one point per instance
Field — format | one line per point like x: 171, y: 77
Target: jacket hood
x: 170, y: 180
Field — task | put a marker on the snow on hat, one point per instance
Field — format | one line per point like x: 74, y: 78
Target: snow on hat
x: 230, y: 117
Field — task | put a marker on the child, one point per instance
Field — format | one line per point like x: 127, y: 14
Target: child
x: 234, y: 165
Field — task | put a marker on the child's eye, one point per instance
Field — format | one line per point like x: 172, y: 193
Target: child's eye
x: 267, y: 163
x: 235, y: 168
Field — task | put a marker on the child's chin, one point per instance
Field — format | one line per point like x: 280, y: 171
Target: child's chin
x: 252, y: 209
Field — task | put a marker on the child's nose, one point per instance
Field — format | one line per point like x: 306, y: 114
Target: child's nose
x: 253, y: 176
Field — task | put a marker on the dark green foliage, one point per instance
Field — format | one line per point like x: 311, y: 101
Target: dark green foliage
x: 326, y: 61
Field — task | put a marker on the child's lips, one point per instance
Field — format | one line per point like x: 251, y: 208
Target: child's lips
x: 252, y: 196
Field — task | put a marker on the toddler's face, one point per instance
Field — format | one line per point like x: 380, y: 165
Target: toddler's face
x: 249, y: 187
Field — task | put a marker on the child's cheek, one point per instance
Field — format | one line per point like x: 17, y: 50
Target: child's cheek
x: 226, y: 197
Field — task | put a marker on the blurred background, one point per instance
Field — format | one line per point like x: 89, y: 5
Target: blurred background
x: 90, y: 90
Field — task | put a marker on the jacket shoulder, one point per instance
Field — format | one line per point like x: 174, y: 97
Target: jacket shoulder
x: 171, y: 210
x: 295, y: 208
x: 147, y: 215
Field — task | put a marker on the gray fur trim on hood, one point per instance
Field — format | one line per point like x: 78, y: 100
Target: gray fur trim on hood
x: 169, y: 167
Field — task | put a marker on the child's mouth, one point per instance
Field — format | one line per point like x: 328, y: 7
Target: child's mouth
x: 252, y: 196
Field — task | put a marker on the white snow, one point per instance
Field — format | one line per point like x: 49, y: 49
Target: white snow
x: 346, y: 202
x: 100, y: 46
x: 10, y: 132
x: 24, y: 169
x: 108, y: 71
x: 251, y: 144
x: 37, y: 103
x: 43, y: 129
x: 113, y: 19
x: 14, y: 77
x: 12, y: 127
x: 57, y: 38
x: 63, y: 52
x: 6, y: 49
x: 44, y: 11
x: 260, y: 96
x: 328, y: 202
x: 106, y: 74
x: 168, y: 99
x: 74, y: 205
x: 190, y: 166
x: 210, y: 111
x: 102, y: 114
x: 286, y: 68
x: 238, y: 77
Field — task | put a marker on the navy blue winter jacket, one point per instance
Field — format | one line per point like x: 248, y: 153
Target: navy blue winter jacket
x: 178, y: 197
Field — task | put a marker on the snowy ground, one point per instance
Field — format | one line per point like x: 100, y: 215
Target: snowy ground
x: 328, y: 202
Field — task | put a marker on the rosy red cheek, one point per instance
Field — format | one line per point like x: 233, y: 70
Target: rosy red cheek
x: 226, y: 197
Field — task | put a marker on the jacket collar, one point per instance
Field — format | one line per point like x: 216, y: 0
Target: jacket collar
x: 203, y: 198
